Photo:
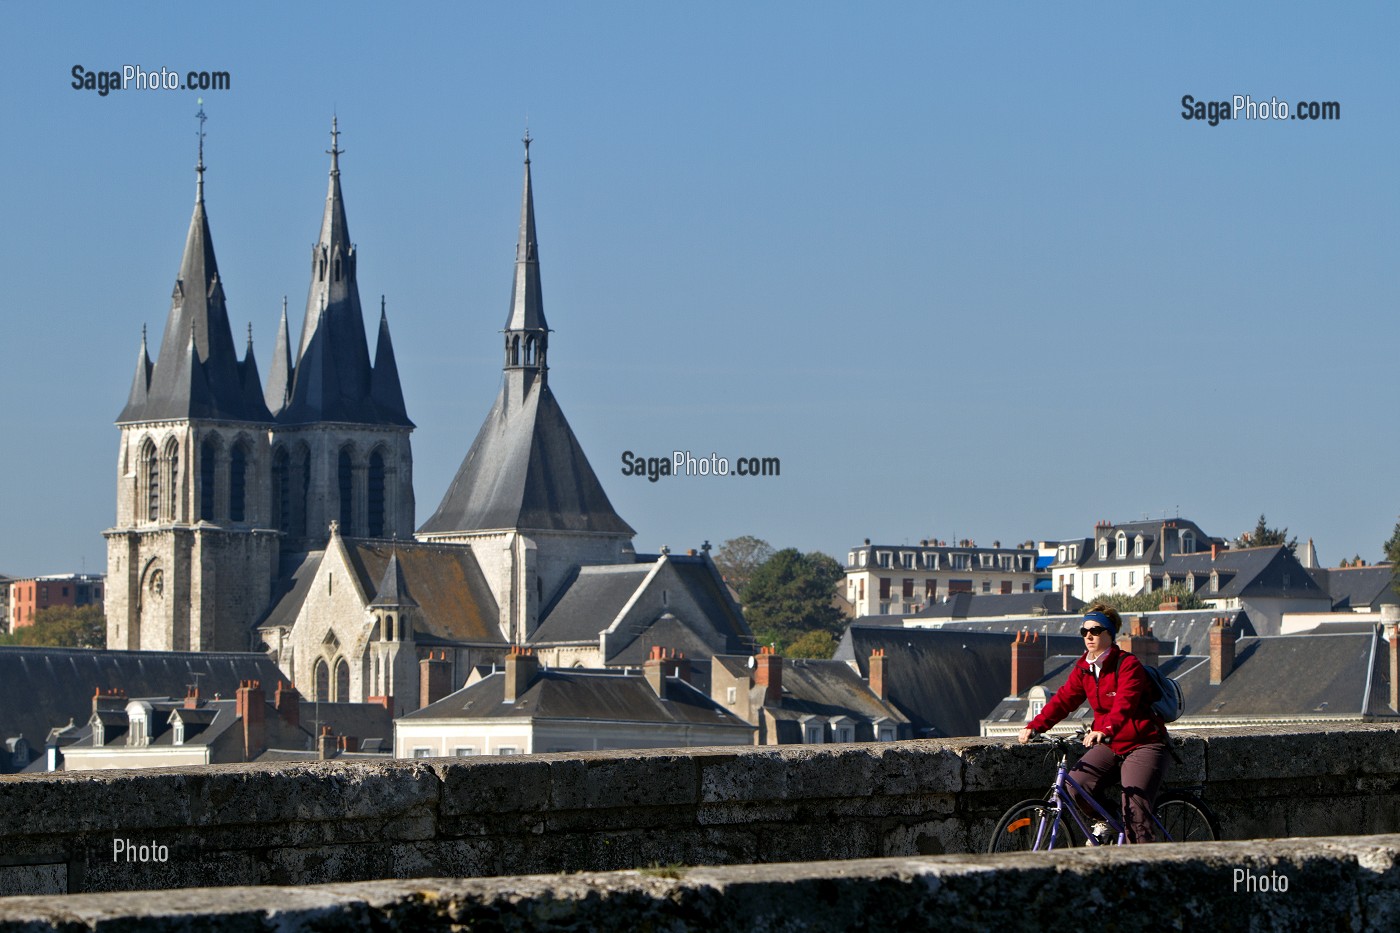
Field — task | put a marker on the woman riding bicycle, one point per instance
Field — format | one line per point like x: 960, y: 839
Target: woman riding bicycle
x: 1127, y: 740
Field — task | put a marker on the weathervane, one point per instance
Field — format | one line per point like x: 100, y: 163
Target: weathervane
x: 335, y: 151
x: 199, y: 168
x: 527, y: 139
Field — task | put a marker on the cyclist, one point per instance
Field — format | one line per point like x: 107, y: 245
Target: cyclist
x: 1127, y: 740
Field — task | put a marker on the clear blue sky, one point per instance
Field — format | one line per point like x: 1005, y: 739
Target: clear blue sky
x: 964, y: 268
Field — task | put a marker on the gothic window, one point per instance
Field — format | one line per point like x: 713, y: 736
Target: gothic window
x: 529, y: 351
x: 152, y: 483
x: 323, y: 680
x: 282, y: 490
x: 208, y: 454
x: 303, y: 490
x: 342, y: 682
x: 346, y: 475
x: 237, y: 483
x: 376, y: 494
x: 172, y: 479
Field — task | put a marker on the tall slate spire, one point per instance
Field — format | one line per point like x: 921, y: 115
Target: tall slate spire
x: 279, y: 376
x: 334, y: 330
x: 140, y: 384
x: 197, y: 373
x: 526, y: 301
x: 385, y: 388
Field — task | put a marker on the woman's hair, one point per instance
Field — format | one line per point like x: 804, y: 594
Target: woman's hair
x: 1109, y: 611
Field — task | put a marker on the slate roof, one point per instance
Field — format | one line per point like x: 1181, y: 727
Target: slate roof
x: 829, y: 688
x: 331, y: 378
x: 943, y: 681
x: 526, y: 470
x: 1246, y: 572
x: 576, y: 694
x: 443, y: 579
x: 1180, y: 632
x: 296, y: 573
x: 42, y: 688
x: 1154, y: 533
x: 970, y: 605
x: 1359, y: 588
x: 589, y: 602
x: 197, y: 373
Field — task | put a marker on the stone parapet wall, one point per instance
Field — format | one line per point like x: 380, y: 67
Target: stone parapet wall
x: 1323, y: 883
x: 342, y: 822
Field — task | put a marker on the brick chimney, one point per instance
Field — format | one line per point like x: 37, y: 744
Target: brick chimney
x: 325, y: 744
x: 1027, y: 661
x: 192, y: 698
x: 877, y: 674
x: 287, y: 700
x: 662, y: 663
x: 1212, y: 552
x: 347, y: 743
x: 250, y: 706
x: 1222, y: 651
x: 434, y: 678
x: 1170, y: 604
x: 768, y: 673
x: 521, y: 667
x: 108, y: 699
x: 1066, y: 591
x: 1140, y: 642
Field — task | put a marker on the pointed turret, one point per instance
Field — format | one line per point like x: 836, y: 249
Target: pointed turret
x: 393, y: 592
x: 279, y: 376
x: 198, y: 318
x: 140, y: 384
x: 333, y: 317
x: 252, y: 383
x: 385, y: 388
x: 526, y: 332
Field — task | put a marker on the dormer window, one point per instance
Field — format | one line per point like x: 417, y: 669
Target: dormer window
x: 931, y: 560
x: 851, y: 559
x: 179, y: 732
x: 1060, y: 555
x: 884, y: 558
x: 863, y: 557
x: 1036, y: 696
x: 1188, y: 543
x: 1122, y: 545
x: 1215, y: 581
x: 1137, y: 546
x: 1103, y: 549
x: 1073, y: 552
x: 906, y: 560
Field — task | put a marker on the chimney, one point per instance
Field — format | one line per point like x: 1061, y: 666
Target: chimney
x: 1027, y: 661
x: 1390, y: 623
x: 192, y: 698
x: 1170, y: 604
x: 877, y: 674
x: 288, y: 703
x: 662, y: 663
x: 1140, y: 642
x: 1064, y: 596
x: 768, y: 672
x: 325, y: 744
x: 1212, y: 553
x: 387, y: 701
x: 434, y: 678
x: 1222, y: 651
x: 347, y: 743
x: 108, y: 699
x: 250, y: 707
x: 521, y: 667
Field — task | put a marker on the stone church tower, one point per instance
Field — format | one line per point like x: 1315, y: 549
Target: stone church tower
x: 340, y: 448
x: 191, y: 560
x: 525, y: 496
x: 219, y: 478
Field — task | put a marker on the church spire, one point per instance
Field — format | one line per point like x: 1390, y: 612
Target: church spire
x: 527, y: 333
x: 385, y: 387
x: 197, y: 373
x: 333, y: 318
x: 279, y: 375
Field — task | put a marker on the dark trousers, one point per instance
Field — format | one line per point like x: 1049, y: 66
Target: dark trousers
x: 1140, y: 772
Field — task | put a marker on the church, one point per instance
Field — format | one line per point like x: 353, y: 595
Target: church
x: 280, y: 516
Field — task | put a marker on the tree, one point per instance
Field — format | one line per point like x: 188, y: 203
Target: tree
x: 63, y: 627
x: 789, y: 595
x: 1151, y: 602
x: 1264, y: 536
x: 817, y: 644
x: 738, y: 558
x: 1392, y: 547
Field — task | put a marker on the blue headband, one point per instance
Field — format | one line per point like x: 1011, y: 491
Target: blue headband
x: 1101, y: 618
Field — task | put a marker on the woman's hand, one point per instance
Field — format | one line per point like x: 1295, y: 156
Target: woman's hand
x: 1026, y: 735
x: 1094, y: 738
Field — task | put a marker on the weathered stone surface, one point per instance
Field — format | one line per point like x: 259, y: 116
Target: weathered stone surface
x: 1327, y: 883
x: 328, y: 822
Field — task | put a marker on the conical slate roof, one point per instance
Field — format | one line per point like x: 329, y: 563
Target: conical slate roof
x: 331, y: 379
x: 526, y: 470
x: 393, y: 591
x: 279, y: 376
x: 197, y: 373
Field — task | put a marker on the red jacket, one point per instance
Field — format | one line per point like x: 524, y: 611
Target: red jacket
x: 1121, y: 698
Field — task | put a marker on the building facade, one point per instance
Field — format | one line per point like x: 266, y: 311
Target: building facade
x: 25, y: 599
x: 903, y: 579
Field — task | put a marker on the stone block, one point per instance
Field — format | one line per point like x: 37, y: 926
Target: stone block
x: 489, y: 786
x: 641, y: 779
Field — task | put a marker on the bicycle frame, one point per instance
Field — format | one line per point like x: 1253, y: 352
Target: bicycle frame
x: 1063, y: 803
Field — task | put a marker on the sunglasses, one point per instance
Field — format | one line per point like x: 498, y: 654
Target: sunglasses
x: 1096, y: 631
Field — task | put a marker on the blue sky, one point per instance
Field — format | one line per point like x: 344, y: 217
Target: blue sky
x: 964, y: 268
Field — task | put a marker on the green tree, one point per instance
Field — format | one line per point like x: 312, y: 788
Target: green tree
x: 738, y: 558
x: 817, y: 644
x: 1151, y: 602
x: 789, y: 595
x: 1264, y: 536
x: 63, y: 627
x: 1392, y: 547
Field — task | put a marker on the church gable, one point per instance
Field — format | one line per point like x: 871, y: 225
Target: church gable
x: 331, y: 631
x: 452, y: 598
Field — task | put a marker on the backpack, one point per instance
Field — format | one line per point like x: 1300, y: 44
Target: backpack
x: 1169, y: 703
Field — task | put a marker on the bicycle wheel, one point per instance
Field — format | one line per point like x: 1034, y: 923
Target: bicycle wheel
x: 1027, y: 827
x: 1186, y: 819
